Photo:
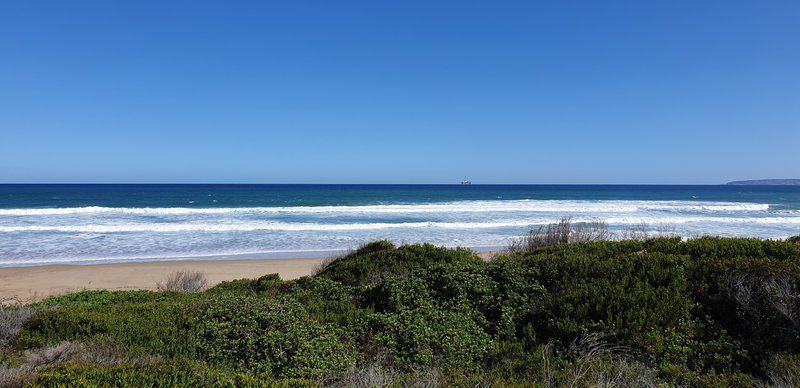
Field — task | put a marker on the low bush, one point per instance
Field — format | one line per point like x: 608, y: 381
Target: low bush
x: 273, y: 337
x: 427, y: 336
x: 267, y: 284
x: 376, y: 261
x: 623, y: 297
x: 155, y: 374
x: 98, y: 298
x: 645, y: 312
x: 328, y: 301
x: 723, y: 248
x: 162, y: 323
x: 757, y: 300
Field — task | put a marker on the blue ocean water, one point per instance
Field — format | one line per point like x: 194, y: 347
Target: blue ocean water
x: 42, y: 224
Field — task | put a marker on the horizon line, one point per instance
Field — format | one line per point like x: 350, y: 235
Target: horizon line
x: 370, y: 184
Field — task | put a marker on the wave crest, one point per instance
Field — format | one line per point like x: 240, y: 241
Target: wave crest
x: 300, y: 226
x: 545, y: 206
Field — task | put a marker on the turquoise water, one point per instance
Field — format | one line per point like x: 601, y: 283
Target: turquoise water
x: 41, y: 224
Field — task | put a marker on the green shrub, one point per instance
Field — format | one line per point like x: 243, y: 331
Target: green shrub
x: 329, y: 301
x: 622, y: 297
x: 602, y: 249
x: 160, y: 323
x: 453, y: 285
x: 694, y: 344
x: 267, y: 284
x: 460, y: 283
x: 518, y: 295
x: 430, y: 336
x: 719, y: 247
x: 703, y: 312
x: 156, y: 374
x: 377, y: 261
x: 757, y: 300
x: 273, y: 337
x: 398, y: 293
x: 103, y: 298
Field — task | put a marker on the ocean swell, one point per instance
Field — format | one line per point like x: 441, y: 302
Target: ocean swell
x: 552, y: 206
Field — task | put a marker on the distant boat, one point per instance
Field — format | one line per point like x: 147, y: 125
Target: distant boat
x: 466, y: 182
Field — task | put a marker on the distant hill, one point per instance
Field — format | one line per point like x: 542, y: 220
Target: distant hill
x: 772, y: 182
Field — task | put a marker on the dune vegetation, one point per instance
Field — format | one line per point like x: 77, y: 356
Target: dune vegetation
x: 650, y: 312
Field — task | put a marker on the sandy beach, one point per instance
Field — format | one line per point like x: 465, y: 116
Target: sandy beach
x: 29, y: 284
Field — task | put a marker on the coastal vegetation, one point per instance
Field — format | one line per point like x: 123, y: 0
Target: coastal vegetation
x: 184, y: 281
x: 641, y: 312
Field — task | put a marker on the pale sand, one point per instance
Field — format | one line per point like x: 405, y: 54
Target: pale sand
x: 29, y: 284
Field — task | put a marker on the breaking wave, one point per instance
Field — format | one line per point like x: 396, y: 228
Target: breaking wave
x: 31, y: 236
x: 550, y: 206
x: 304, y: 226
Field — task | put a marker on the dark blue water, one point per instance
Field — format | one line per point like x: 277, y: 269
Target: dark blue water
x: 90, y: 223
x: 126, y: 195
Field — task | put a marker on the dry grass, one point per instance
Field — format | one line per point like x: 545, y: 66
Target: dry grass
x: 14, y: 377
x: 596, y: 364
x: 381, y: 372
x: 780, y: 292
x: 781, y: 381
x: 13, y: 317
x: 784, y: 296
x: 565, y: 231
x: 784, y: 372
x: 184, y: 281
x: 102, y: 352
x: 643, y: 231
x: 21, y: 375
x: 374, y: 375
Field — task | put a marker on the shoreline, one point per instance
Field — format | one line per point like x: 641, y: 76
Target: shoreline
x: 266, y: 255
x: 34, y: 283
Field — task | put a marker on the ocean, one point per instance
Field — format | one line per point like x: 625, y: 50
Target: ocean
x: 80, y: 224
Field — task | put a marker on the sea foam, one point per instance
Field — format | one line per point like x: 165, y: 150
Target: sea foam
x: 304, y: 226
x: 97, y: 233
x: 552, y: 206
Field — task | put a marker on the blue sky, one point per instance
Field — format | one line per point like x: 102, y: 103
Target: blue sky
x: 399, y: 92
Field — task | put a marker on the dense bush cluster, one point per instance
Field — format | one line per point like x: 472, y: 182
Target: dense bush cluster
x: 272, y: 337
x: 702, y: 312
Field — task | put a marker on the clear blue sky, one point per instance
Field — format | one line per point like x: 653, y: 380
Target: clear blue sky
x: 399, y: 92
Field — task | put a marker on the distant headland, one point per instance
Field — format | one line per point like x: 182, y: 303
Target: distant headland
x: 771, y: 182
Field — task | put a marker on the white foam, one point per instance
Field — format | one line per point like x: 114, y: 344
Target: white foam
x: 550, y: 206
x: 308, y: 226
x: 234, y: 255
x: 85, y: 234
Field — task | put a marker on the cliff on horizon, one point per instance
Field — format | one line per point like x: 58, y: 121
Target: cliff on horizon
x: 771, y: 182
